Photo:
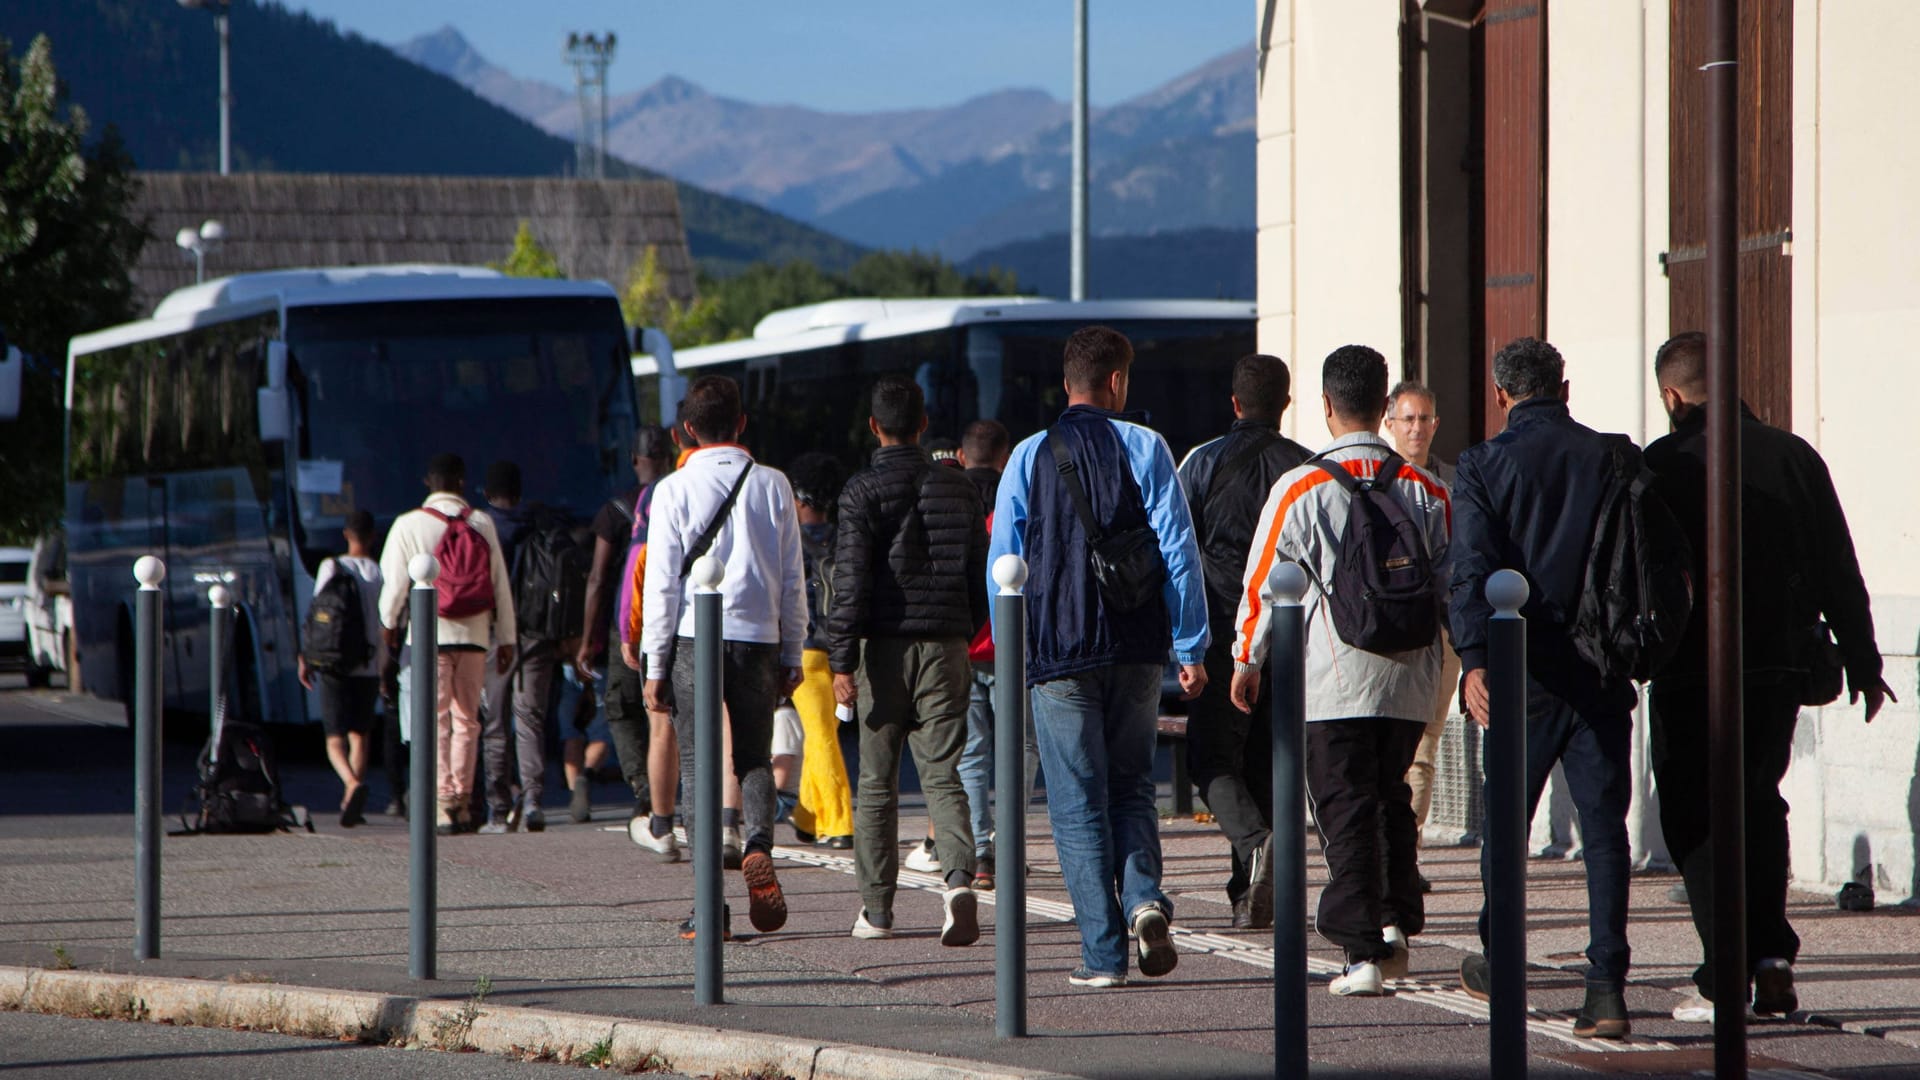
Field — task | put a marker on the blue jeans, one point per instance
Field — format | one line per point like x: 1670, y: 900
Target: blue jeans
x: 976, y: 761
x: 1593, y: 747
x: 1096, y: 732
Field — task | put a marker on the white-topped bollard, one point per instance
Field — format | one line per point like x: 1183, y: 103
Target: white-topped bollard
x: 146, y: 690
x: 1010, y: 781
x: 1505, y: 859
x: 1287, y: 702
x: 423, y: 884
x: 219, y: 643
x: 704, y: 829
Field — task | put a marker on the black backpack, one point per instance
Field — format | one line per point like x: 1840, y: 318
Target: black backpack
x: 550, y: 578
x: 1637, y: 593
x: 1381, y: 593
x: 239, y: 787
x: 337, y: 625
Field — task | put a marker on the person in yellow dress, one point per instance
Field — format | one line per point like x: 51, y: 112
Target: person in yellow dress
x: 825, y: 811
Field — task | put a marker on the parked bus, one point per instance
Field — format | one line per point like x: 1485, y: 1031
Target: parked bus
x: 803, y: 372
x: 232, y: 433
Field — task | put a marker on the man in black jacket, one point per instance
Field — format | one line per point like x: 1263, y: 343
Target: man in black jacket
x: 1230, y: 752
x: 909, y: 591
x: 1527, y: 500
x: 1799, y: 566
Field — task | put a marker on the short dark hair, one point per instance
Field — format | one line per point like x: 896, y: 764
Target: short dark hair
x: 652, y: 443
x: 817, y: 477
x: 899, y: 406
x: 711, y: 411
x: 985, y: 441
x: 360, y: 524
x: 447, y: 472
x: 1354, y: 378
x: 1681, y: 362
x: 503, y: 479
x: 1527, y: 368
x: 1261, y: 384
x: 1093, y: 354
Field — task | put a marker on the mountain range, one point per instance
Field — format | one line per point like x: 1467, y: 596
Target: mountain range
x: 958, y: 180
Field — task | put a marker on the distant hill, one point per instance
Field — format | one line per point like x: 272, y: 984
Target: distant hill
x: 955, y: 180
x: 308, y: 98
x: 1191, y: 264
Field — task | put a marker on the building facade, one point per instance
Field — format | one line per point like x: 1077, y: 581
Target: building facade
x: 1443, y: 176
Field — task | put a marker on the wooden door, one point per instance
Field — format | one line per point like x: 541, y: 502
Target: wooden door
x: 1514, y: 203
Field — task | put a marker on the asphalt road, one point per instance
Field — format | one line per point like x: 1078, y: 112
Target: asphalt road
x: 55, y: 1046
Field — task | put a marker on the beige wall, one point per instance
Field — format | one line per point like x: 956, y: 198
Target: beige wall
x: 1329, y: 190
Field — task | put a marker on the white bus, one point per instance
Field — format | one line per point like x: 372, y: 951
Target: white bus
x: 804, y: 372
x: 233, y: 432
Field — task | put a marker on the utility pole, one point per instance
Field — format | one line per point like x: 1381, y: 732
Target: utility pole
x: 1079, y: 238
x: 220, y: 9
x: 590, y: 57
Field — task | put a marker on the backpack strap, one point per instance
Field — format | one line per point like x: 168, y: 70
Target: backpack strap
x: 707, y: 537
x: 1382, y: 479
x: 1070, y: 475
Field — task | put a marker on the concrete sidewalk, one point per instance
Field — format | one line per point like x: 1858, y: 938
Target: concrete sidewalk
x: 577, y: 921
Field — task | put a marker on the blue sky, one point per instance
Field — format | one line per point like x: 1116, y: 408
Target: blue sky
x: 831, y: 54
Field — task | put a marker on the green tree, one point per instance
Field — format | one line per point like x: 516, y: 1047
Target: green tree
x: 67, y: 241
x: 646, y: 301
x: 528, y: 259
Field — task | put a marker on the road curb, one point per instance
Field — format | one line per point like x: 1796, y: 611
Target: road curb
x: 473, y: 1025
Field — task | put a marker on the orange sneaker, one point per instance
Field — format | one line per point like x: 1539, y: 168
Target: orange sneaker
x: 766, y: 906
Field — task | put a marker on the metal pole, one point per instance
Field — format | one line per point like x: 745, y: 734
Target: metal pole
x: 1506, y: 838
x: 1079, y: 256
x: 1287, y: 670
x: 219, y: 640
x: 199, y: 264
x: 1010, y: 816
x: 149, y: 572
x: 709, y: 897
x: 226, y: 98
x: 1725, y: 707
x: 423, y: 886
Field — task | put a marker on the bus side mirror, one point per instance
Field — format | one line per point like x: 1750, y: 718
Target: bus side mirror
x: 12, y: 367
x: 274, y: 407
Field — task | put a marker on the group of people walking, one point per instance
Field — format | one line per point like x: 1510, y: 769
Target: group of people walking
x: 863, y: 600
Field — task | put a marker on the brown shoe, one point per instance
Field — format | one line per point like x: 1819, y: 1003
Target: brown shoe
x: 766, y: 906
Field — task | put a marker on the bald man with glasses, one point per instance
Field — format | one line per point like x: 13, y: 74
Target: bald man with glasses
x: 1412, y: 418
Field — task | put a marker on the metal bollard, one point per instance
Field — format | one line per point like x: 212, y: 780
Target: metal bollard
x: 1010, y: 781
x: 149, y: 572
x: 219, y: 640
x: 1287, y: 674
x: 1506, y: 753
x: 709, y: 895
x: 423, y: 916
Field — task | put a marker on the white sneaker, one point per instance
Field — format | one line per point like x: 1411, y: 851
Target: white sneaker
x: 923, y: 858
x: 1359, y: 980
x: 732, y: 847
x: 665, y: 849
x: 1395, y: 966
x: 1098, y: 980
x: 866, y: 931
x: 963, y: 918
x: 1694, y: 1010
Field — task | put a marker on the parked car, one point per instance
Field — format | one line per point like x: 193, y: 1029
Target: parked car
x: 49, y: 612
x: 13, y: 604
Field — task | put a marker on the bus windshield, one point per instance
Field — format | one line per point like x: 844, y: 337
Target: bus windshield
x: 382, y: 388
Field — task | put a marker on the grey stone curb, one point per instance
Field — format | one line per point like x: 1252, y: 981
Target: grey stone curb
x: 464, y: 1025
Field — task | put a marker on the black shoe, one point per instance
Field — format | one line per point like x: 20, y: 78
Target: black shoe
x: 580, y: 807
x: 1153, y: 943
x: 354, y: 812
x: 726, y: 925
x: 1425, y: 885
x: 1242, y: 915
x: 1604, y: 1016
x: 840, y: 843
x: 1260, y: 892
x: 1476, y: 977
x: 1773, y: 993
x: 802, y: 836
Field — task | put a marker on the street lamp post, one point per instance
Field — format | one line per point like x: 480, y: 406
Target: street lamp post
x: 220, y: 8
x: 198, y: 242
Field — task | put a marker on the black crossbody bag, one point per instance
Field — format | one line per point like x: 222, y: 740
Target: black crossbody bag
x: 1127, y: 566
x: 706, y: 538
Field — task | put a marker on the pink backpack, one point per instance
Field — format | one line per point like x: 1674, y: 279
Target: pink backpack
x: 466, y: 568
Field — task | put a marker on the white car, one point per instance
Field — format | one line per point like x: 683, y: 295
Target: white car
x: 13, y: 603
x: 49, y: 611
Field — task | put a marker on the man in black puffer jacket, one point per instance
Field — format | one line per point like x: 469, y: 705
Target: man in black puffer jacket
x: 909, y: 592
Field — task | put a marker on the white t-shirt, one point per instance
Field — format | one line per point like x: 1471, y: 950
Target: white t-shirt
x: 368, y: 572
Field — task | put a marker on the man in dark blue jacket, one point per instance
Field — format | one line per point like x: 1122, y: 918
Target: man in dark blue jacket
x: 1093, y: 668
x: 1527, y: 500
